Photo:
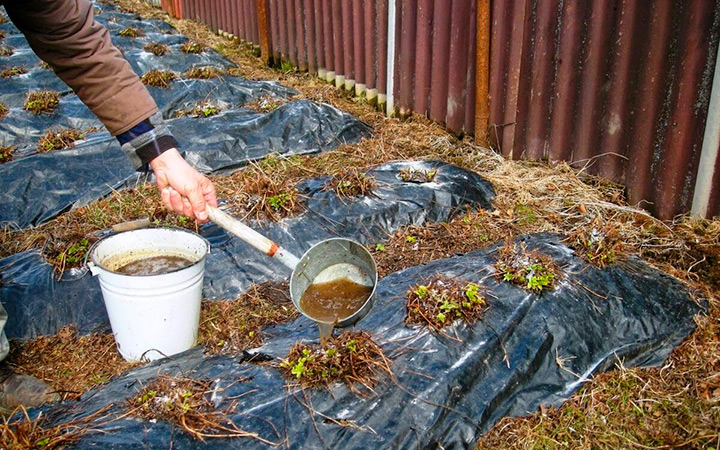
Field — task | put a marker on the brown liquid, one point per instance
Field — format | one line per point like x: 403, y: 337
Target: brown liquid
x: 154, y: 265
x: 334, y: 300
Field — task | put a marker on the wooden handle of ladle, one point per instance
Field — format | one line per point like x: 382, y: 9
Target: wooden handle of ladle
x: 250, y: 236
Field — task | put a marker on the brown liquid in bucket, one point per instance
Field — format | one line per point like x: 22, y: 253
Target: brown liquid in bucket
x: 154, y: 265
x: 333, y: 301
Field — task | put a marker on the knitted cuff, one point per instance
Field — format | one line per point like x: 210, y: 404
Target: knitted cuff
x: 147, y: 140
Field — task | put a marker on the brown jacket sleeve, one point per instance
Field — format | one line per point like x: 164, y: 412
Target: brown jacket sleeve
x: 65, y: 34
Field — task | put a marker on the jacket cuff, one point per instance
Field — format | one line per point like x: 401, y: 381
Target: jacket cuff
x: 146, y: 141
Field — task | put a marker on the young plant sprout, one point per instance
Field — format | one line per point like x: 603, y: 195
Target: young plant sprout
x: 263, y: 197
x: 131, y: 32
x: 412, y: 175
x: 156, y: 49
x: 56, y: 140
x: 530, y: 270
x: 13, y: 72
x: 158, y: 78
x: 202, y: 109
x: 352, y: 183
x: 43, y: 101
x: 352, y: 357
x: 6, y: 153
x: 192, y: 47
x: 598, y: 243
x: 204, y: 73
x: 441, y: 302
x: 185, y: 402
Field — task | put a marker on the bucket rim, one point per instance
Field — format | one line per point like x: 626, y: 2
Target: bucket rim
x: 90, y: 255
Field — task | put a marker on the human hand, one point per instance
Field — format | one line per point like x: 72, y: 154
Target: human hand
x: 183, y: 189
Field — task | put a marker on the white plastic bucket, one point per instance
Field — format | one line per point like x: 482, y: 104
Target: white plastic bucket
x: 152, y: 316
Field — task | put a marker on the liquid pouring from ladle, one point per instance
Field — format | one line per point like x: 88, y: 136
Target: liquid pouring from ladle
x: 328, y: 264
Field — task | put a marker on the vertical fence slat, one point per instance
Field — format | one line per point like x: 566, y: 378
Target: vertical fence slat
x: 460, y: 17
x: 406, y: 55
x: 614, y: 128
x: 338, y: 43
x: 423, y: 57
x: 371, y: 62
x: 319, y: 38
x: 359, y: 26
x: 678, y: 166
x: 300, y: 41
x: 649, y: 105
x: 541, y: 73
x: 310, y: 36
x: 440, y: 46
x: 347, y: 44
x: 382, y: 43
x: 469, y: 82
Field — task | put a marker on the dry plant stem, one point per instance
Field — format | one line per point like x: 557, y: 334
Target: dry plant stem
x: 184, y: 401
x: 23, y: 433
x: 352, y: 183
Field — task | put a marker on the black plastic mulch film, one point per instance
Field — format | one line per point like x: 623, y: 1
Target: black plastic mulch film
x: 446, y: 391
x: 36, y: 187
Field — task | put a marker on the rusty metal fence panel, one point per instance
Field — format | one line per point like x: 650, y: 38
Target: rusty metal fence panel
x: 619, y: 86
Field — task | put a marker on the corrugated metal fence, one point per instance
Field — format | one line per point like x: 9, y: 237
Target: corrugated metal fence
x: 620, y: 86
x: 623, y: 86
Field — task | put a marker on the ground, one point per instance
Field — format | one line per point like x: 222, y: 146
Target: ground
x: 673, y: 406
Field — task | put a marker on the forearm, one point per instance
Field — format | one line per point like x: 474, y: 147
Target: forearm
x: 65, y: 35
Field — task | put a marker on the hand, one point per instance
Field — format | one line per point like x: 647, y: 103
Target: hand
x: 183, y: 189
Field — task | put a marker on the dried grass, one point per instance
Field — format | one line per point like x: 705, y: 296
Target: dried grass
x: 69, y: 363
x: 62, y: 232
x: 6, y: 50
x: 185, y: 402
x: 19, y: 432
x: 3, y: 111
x: 203, y: 73
x: 230, y: 327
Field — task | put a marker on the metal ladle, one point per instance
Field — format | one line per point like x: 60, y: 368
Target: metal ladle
x: 327, y: 261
